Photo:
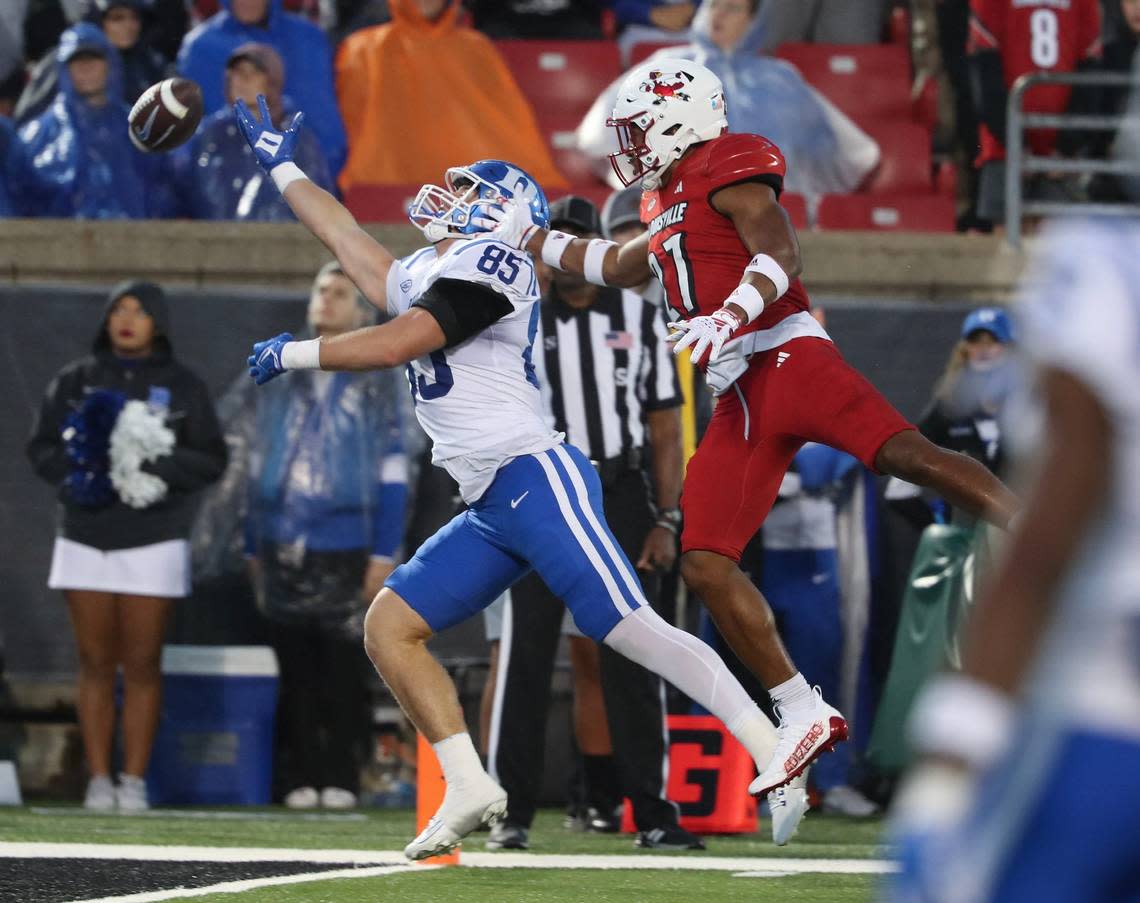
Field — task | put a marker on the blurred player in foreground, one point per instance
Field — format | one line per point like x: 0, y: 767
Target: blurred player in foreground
x: 727, y: 254
x: 1029, y: 786
x: 465, y: 318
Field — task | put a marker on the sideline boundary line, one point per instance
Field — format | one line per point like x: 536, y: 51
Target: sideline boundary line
x: 237, y: 887
x: 473, y: 859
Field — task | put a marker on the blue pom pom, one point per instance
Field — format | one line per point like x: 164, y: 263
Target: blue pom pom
x: 87, y: 439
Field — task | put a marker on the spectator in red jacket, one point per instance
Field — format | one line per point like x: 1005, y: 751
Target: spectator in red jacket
x: 1009, y: 38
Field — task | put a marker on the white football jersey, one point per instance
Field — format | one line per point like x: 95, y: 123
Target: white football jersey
x: 1081, y: 315
x: 479, y: 401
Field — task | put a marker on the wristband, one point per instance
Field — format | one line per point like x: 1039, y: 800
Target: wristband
x: 767, y: 266
x: 301, y: 355
x: 670, y: 519
x: 748, y: 298
x: 962, y: 718
x: 553, y: 247
x: 285, y: 174
x: 595, y: 260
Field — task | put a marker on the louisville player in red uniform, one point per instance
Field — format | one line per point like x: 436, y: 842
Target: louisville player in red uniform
x: 728, y: 257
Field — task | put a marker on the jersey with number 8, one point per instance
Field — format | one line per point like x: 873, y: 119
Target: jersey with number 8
x: 478, y: 401
x: 1033, y: 35
x: 696, y: 252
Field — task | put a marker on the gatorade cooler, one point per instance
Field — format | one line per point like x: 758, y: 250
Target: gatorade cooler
x: 215, y: 734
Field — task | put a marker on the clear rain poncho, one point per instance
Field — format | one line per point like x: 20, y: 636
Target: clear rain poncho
x: 317, y: 486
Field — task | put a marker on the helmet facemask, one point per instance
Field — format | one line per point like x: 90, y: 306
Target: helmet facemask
x: 663, y: 109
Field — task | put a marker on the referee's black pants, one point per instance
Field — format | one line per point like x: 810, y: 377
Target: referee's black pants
x: 633, y: 696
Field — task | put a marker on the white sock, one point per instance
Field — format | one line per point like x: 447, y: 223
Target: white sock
x: 794, y: 697
x: 756, y: 734
x: 458, y: 759
x: 698, y: 672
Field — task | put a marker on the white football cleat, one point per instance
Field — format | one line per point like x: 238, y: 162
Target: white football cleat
x: 461, y: 813
x: 800, y: 743
x: 788, y: 805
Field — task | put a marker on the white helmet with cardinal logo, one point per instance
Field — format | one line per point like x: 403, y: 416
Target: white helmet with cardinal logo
x: 664, y: 106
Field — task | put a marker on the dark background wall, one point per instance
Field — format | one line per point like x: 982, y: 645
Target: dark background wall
x: 900, y: 346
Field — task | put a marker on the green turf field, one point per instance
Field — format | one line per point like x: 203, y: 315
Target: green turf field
x: 823, y: 838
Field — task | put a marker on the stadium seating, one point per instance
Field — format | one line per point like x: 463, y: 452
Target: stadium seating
x: 380, y: 203
x: 796, y: 207
x: 898, y: 213
x: 905, y: 165
x: 866, y: 82
x: 645, y: 49
x: 561, y: 78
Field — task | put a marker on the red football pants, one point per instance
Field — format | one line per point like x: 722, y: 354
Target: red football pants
x: 802, y: 391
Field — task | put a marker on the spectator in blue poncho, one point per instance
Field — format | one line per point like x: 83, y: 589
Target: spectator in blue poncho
x: 826, y: 152
x: 83, y: 162
x: 217, y: 175
x: 302, y: 46
x: 14, y: 169
x: 325, y: 525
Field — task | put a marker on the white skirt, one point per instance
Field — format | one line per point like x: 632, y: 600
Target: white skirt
x: 161, y: 569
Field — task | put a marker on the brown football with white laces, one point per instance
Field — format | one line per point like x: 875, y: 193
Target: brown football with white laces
x: 166, y: 115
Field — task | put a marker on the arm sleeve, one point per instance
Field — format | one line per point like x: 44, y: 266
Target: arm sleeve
x: 201, y: 455
x: 463, y: 308
x: 659, y: 386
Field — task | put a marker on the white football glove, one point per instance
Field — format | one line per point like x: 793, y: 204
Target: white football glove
x: 708, y: 333
x: 510, y: 223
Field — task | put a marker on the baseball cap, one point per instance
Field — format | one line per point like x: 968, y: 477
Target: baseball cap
x: 622, y: 208
x: 83, y: 39
x: 993, y: 320
x: 576, y: 212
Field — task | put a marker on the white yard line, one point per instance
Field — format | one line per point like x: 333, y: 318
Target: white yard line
x: 385, y: 858
x: 204, y: 814
x: 237, y: 887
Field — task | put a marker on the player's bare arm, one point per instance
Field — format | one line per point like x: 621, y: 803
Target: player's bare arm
x: 766, y: 231
x: 365, y: 260
x: 765, y: 228
x: 1070, y: 490
x: 392, y: 344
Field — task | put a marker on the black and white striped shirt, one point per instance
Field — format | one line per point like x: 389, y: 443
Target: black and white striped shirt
x: 602, y: 368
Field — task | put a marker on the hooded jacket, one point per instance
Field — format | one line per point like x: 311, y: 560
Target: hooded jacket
x: 825, y: 151
x: 141, y: 66
x: 217, y: 175
x: 84, y: 163
x: 15, y: 171
x: 308, y: 62
x: 420, y: 96
x: 198, y: 459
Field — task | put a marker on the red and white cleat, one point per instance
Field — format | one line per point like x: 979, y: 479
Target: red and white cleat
x: 800, y: 743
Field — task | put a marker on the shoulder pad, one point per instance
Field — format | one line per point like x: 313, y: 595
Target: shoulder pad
x: 735, y: 158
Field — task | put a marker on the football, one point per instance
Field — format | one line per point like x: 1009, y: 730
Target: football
x: 166, y: 115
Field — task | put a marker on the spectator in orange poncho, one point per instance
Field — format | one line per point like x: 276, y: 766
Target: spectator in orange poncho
x: 423, y: 93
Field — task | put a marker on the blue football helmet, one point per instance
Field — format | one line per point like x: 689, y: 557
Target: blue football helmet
x: 448, y: 212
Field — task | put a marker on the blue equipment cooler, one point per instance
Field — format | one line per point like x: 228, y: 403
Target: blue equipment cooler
x: 215, y: 735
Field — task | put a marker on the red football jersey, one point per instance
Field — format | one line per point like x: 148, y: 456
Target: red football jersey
x: 695, y: 251
x: 1034, y: 36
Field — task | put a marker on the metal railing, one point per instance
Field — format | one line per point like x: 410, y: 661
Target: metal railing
x: 1019, y: 162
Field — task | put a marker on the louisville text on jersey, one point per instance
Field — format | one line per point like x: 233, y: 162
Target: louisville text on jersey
x: 670, y: 217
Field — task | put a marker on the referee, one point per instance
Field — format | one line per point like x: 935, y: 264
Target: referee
x: 609, y: 382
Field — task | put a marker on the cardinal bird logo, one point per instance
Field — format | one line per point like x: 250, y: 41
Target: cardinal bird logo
x: 667, y: 84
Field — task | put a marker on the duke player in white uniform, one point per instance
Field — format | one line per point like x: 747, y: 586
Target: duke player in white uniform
x: 1030, y: 785
x: 465, y: 316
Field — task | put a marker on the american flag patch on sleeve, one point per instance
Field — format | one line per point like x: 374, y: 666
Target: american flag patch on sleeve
x: 621, y: 340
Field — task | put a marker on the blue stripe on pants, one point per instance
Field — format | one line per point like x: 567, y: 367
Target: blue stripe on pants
x: 542, y: 511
